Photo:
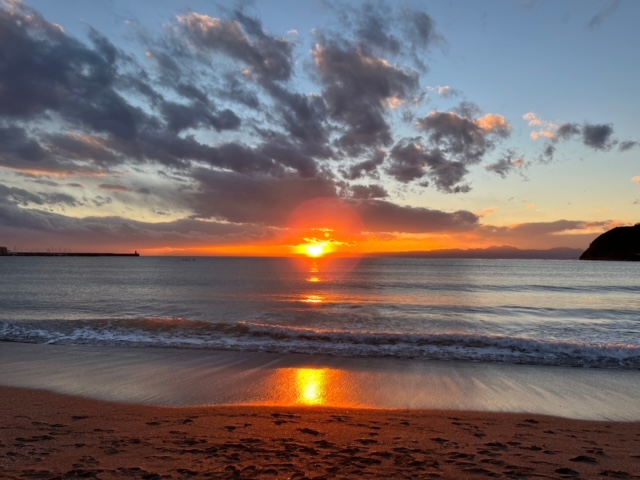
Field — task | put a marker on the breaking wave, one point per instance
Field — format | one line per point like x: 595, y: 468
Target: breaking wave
x: 268, y: 337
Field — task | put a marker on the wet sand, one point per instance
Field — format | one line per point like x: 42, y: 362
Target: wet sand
x: 46, y: 435
x: 184, y: 377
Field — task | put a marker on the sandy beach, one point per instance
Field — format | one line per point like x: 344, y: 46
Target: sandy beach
x: 72, y: 412
x: 46, y: 435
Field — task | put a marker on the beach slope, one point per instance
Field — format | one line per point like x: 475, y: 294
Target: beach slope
x: 46, y: 435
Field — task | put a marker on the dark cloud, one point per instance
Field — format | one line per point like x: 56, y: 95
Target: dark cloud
x: 180, y: 117
x: 380, y: 29
x: 456, y: 141
x: 366, y: 192
x: 383, y: 216
x: 356, y: 89
x: 371, y: 26
x: 602, y: 15
x: 547, y: 154
x: 627, y: 145
x: 567, y: 131
x: 83, y: 148
x: 42, y: 70
x: 107, y: 233
x: 18, y: 196
x: 242, y: 39
x: 421, y: 28
x: 113, y: 187
x: 44, y: 181
x: 234, y: 90
x: 410, y: 160
x: 100, y: 201
x: 256, y: 199
x: 506, y: 164
x: 541, y: 228
x: 16, y: 144
x: 597, y: 136
x: 460, y: 137
x: 304, y: 118
x: 367, y: 167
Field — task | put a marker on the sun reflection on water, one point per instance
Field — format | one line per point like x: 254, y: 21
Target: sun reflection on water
x: 314, y: 299
x: 311, y: 386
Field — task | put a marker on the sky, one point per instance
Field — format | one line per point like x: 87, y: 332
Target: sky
x: 265, y: 127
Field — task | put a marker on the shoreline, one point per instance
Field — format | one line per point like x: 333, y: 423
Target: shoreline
x: 192, y: 377
x: 47, y: 435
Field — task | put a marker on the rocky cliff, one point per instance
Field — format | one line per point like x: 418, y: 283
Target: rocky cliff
x: 620, y: 243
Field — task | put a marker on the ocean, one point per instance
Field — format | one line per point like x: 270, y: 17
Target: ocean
x: 533, y: 312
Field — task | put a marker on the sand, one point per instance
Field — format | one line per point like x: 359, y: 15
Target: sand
x: 46, y: 435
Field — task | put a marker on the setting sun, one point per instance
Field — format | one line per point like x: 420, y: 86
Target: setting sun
x: 315, y: 249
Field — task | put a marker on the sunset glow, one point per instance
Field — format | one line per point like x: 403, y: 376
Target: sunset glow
x: 287, y: 138
x: 315, y: 250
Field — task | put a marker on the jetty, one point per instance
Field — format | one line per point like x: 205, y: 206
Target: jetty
x: 5, y: 252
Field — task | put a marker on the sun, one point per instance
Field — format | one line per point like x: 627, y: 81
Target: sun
x: 315, y: 250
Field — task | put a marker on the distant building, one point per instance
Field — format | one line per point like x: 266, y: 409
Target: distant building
x: 4, y: 251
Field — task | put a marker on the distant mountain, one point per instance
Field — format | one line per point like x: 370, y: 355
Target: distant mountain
x: 498, y: 252
x: 620, y: 243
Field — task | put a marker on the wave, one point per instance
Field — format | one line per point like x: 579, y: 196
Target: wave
x: 267, y: 337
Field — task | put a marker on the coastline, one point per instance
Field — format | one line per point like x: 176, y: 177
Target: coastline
x: 46, y: 435
x: 195, y: 377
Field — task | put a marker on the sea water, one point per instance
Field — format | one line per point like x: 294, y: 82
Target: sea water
x: 536, y: 312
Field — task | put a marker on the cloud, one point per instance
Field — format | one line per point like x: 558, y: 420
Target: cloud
x: 366, y: 192
x: 541, y: 235
x: 20, y: 197
x: 544, y: 128
x: 256, y: 199
x: 236, y: 125
x: 627, y: 145
x: 597, y: 20
x: 636, y: 179
x: 181, y: 117
x: 242, y: 39
x: 597, y: 136
x: 368, y: 167
x: 567, y: 131
x: 383, y: 216
x: 113, y: 187
x: 494, y: 123
x: 447, y: 91
x: 82, y: 147
x: 510, y: 161
x: 372, y: 27
x: 487, y: 212
x: 109, y: 233
x: 356, y: 89
x: 16, y: 144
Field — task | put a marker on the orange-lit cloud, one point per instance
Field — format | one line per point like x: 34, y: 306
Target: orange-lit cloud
x: 492, y: 121
x: 636, y: 179
x: 486, y: 212
x: 544, y: 128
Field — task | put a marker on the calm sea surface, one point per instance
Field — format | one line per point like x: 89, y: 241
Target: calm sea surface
x: 535, y: 312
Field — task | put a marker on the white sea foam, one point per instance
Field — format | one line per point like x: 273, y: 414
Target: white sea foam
x: 253, y: 336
